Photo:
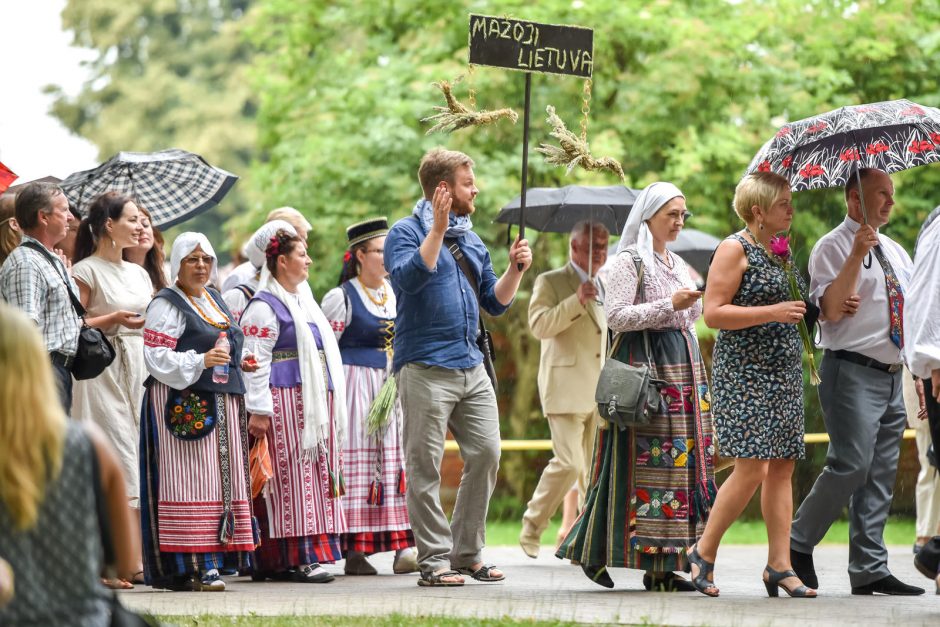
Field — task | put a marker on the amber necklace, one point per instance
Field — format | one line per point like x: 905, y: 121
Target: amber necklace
x: 202, y: 314
x: 378, y: 302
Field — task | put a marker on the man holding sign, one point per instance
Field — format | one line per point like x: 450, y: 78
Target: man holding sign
x: 442, y: 276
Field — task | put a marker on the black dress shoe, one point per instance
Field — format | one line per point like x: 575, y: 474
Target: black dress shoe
x: 802, y: 564
x: 888, y: 585
x: 667, y: 582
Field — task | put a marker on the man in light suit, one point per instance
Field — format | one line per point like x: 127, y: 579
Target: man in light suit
x: 566, y: 314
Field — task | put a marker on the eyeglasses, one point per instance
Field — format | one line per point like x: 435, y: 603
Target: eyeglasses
x: 204, y: 259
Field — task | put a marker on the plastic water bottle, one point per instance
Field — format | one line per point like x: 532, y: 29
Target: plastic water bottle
x: 220, y: 373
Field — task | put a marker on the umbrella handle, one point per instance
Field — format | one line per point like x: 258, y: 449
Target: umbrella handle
x: 858, y: 179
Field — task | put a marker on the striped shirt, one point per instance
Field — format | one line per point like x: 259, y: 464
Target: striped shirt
x: 29, y: 282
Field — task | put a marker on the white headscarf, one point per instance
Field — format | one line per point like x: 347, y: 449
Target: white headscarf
x: 636, y: 233
x: 313, y: 387
x: 259, y: 241
x: 186, y: 243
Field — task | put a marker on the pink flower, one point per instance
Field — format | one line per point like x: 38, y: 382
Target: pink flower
x: 780, y: 246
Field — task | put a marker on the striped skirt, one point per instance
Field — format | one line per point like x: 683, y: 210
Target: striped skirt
x: 185, y: 488
x: 374, y: 470
x: 302, y: 515
x: 652, y: 486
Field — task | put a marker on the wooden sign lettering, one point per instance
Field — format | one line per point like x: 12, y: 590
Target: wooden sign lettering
x: 531, y: 47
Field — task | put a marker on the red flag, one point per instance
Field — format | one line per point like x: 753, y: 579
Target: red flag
x: 6, y: 178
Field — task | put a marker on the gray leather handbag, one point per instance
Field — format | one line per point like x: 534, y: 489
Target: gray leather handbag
x: 627, y: 395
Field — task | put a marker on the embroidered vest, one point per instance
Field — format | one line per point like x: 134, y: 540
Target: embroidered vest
x: 200, y: 336
x: 365, y: 338
x: 285, y: 367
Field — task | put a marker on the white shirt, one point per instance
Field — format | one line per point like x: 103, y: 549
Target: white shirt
x: 583, y: 276
x: 236, y: 300
x: 867, y: 331
x: 922, y: 307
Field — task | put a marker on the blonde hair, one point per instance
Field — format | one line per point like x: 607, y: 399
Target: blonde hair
x: 32, y: 422
x: 760, y: 189
x: 292, y: 217
x: 9, y: 236
x: 440, y: 164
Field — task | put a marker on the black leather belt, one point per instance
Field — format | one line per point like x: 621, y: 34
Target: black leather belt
x: 862, y: 360
x: 61, y: 359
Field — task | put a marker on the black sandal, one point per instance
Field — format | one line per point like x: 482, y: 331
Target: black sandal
x: 482, y: 573
x: 437, y: 579
x: 701, y: 581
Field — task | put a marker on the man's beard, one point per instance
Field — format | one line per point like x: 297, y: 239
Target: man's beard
x: 462, y: 208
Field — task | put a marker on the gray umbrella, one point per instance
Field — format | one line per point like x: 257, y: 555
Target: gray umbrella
x: 173, y: 185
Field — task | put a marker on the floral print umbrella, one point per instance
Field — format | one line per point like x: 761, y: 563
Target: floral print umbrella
x: 825, y: 150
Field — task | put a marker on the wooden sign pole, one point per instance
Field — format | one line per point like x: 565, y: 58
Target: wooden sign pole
x: 530, y: 47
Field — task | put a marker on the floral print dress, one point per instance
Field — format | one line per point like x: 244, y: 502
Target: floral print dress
x: 757, y: 373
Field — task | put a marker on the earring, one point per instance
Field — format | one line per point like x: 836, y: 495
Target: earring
x: 760, y: 225
x: 113, y: 245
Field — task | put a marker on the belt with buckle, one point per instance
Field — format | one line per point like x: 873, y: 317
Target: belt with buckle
x: 862, y: 360
x: 61, y: 359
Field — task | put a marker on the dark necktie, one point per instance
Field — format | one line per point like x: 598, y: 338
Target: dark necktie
x: 895, y: 299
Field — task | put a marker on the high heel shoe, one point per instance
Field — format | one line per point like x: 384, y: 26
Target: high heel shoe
x: 774, y: 580
x: 701, y: 582
x: 598, y: 574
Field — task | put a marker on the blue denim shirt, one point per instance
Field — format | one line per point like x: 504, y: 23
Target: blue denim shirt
x: 437, y: 320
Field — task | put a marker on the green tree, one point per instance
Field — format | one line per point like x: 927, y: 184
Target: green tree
x: 168, y: 73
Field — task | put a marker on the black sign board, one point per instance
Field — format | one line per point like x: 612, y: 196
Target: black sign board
x: 531, y: 47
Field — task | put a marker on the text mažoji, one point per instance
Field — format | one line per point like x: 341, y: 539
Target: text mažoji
x: 531, y: 47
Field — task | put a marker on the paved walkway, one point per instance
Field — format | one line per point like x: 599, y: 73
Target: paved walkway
x: 549, y: 589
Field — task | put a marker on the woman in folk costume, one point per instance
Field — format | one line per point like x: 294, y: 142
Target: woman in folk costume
x: 237, y: 297
x: 296, y: 401
x: 652, y: 486
x: 195, y: 509
x: 362, y: 312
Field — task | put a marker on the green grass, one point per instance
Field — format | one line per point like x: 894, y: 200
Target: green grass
x: 392, y: 620
x: 898, y: 531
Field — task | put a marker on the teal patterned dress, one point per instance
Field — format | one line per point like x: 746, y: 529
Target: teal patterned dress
x: 757, y: 373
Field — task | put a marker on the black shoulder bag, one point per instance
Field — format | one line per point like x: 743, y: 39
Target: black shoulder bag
x: 95, y: 352
x: 484, y: 339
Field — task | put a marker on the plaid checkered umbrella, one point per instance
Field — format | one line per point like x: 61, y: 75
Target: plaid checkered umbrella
x: 825, y: 150
x: 173, y: 185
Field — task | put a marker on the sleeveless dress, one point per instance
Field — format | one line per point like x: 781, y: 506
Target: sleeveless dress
x: 300, y: 512
x: 66, y: 541
x: 113, y: 398
x: 374, y: 466
x: 757, y: 372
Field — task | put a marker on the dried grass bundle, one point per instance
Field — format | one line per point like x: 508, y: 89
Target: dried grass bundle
x: 456, y: 115
x: 573, y: 150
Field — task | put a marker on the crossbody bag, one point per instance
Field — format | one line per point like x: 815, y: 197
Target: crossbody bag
x: 627, y: 395
x: 95, y: 352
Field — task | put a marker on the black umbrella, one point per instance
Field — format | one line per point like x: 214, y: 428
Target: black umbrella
x: 173, y: 185
x: 558, y: 209
x: 825, y: 150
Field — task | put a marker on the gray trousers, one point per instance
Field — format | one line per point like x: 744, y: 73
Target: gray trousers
x: 865, y: 417
x: 434, y: 399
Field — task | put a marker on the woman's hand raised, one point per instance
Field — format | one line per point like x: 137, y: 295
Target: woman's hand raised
x: 789, y: 312
x: 684, y: 298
